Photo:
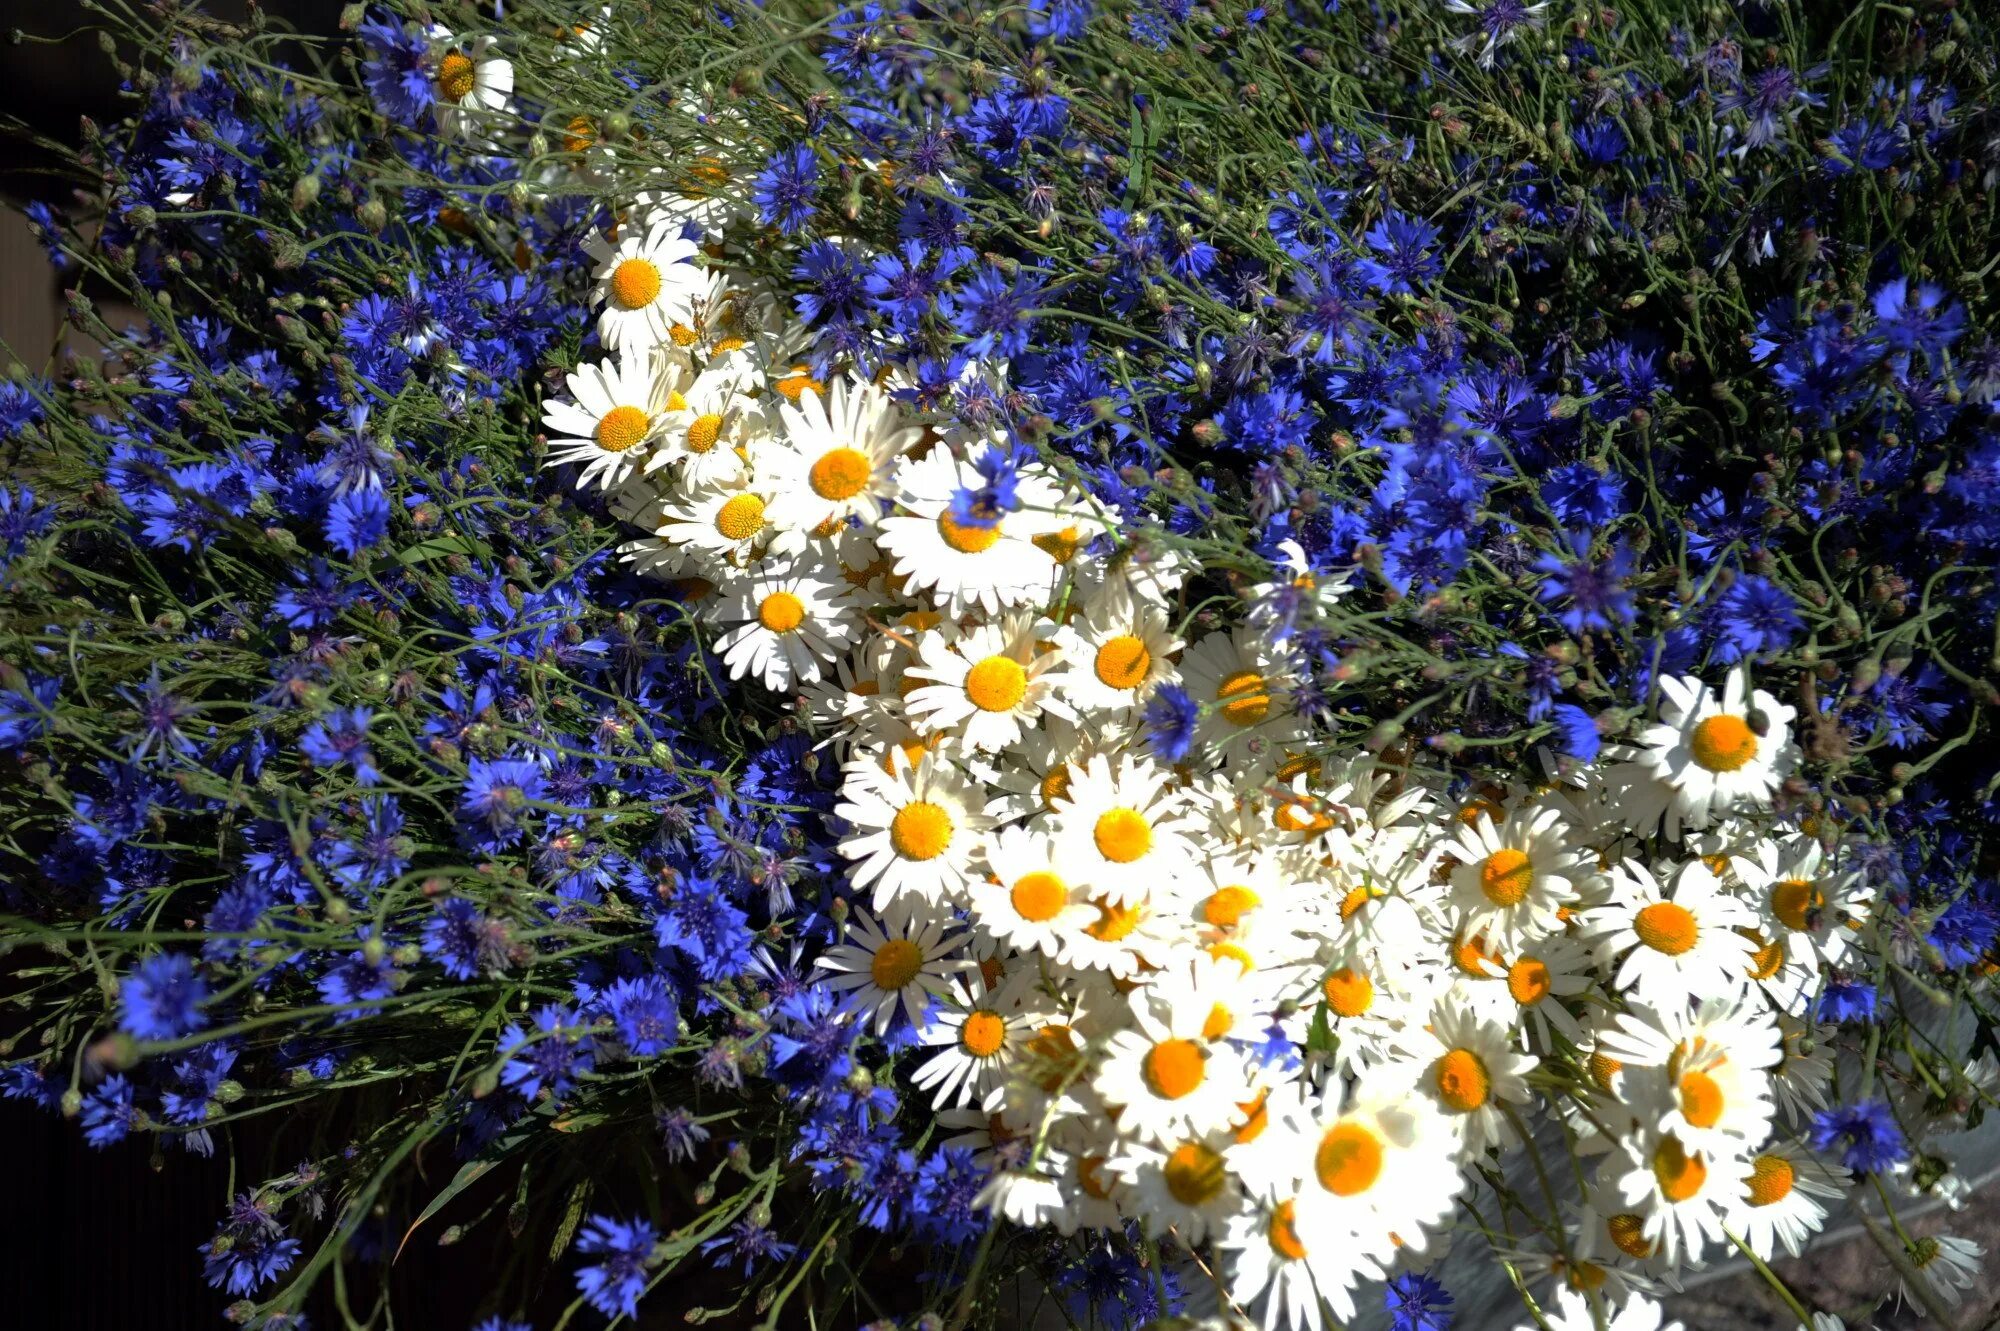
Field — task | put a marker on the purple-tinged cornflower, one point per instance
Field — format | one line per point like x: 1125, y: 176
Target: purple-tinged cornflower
x: 1576, y: 733
x: 1582, y: 496
x: 24, y: 712
x: 614, y: 1284
x: 1866, y: 1135
x: 1599, y: 142
x: 1417, y: 1302
x: 645, y: 1013
x: 1910, y: 709
x: 1966, y: 930
x: 466, y: 941
x: 250, y: 1248
x: 680, y: 1134
x: 749, y: 1243
x: 784, y: 189
x: 1863, y: 145
x: 830, y: 284
x: 21, y: 521
x: 1921, y: 322
x: 316, y: 601
x: 1767, y: 100
x: 160, y: 714
x: 1500, y: 22
x: 161, y: 999
x: 499, y: 1323
x: 997, y: 496
x: 398, y: 70
x: 903, y: 284
x: 550, y: 1057
x: 343, y: 738
x: 706, y: 925
x: 1059, y: 20
x: 362, y: 975
x: 108, y: 1114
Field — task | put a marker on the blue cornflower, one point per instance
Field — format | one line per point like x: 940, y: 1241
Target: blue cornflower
x: 614, y: 1285
x: 1755, y: 616
x: 357, y: 520
x: 160, y: 714
x: 551, y: 1057
x: 942, y: 1206
x: 1416, y: 1302
x: 1059, y: 20
x: 750, y: 1243
x: 1404, y: 245
x: 497, y: 793
x: 1582, y: 496
x: 21, y: 521
x: 466, y: 941
x: 903, y: 284
x: 1594, y: 590
x: 1767, y: 99
x: 316, y: 601
x: 498, y: 1323
x: 398, y: 70
x: 1921, y: 323
x: 993, y: 314
x: 1000, y: 494
x: 1910, y: 710
x: 784, y: 189
x: 1576, y: 732
x: 1171, y: 718
x: 362, y: 975
x: 706, y: 925
x: 342, y: 738
x: 161, y: 999
x: 108, y: 1114
x: 1599, y: 142
x: 24, y: 712
x: 1966, y: 930
x: 645, y: 1013
x: 830, y: 284
x: 250, y: 1248
x: 1866, y: 1135
x: 1847, y: 1000
x: 1866, y: 146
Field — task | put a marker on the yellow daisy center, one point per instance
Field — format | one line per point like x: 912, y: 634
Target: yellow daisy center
x: 1123, y: 662
x: 1505, y: 876
x: 1039, y: 896
x: 1122, y: 836
x: 1060, y: 546
x: 1244, y: 696
x: 1256, y: 1117
x: 741, y: 517
x: 1584, y: 1276
x: 1174, y: 1068
x: 1113, y: 922
x: 1349, y: 1159
x: 839, y: 473
x: 455, y: 76
x: 702, y: 177
x: 965, y: 537
x: 1471, y: 957
x: 635, y: 283
x: 1055, y: 786
x: 1723, y: 743
x: 1090, y: 1176
x: 621, y: 428
x: 1701, y: 1099
x: 1667, y: 928
x: 1528, y: 981
x: 797, y: 382
x: 1628, y: 1235
x: 1603, y: 1067
x: 982, y: 1034
x: 1348, y: 992
x: 1793, y: 901
x: 1284, y: 1233
x: 1193, y: 1174
x: 579, y: 133
x: 1462, y: 1082
x: 781, y: 612
x: 1219, y: 1023
x: 1226, y: 906
x: 1680, y: 1175
x: 703, y: 431
x: 1768, y: 959
x: 920, y: 830
x: 1770, y: 1180
x: 996, y: 684
x: 895, y: 964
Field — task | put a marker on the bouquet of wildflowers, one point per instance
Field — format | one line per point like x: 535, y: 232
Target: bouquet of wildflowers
x: 1117, y: 659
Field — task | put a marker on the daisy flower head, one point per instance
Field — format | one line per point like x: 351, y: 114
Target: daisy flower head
x: 1717, y: 753
x: 726, y: 525
x: 1578, y: 1311
x: 1170, y: 1071
x: 1701, y: 1073
x: 1675, y: 945
x: 1122, y: 831
x: 1122, y: 648
x: 965, y: 566
x: 1025, y: 902
x: 1378, y: 1175
x: 914, y: 833
x: 1512, y: 879
x: 645, y: 283
x: 1469, y: 1069
x: 1680, y: 1194
x: 1272, y: 1275
x: 1948, y: 1266
x: 1785, y: 1199
x: 612, y: 420
x: 977, y: 1039
x: 707, y: 430
x: 1240, y: 684
x: 1182, y: 1185
x: 988, y: 683
x: 881, y: 969
x: 1802, y: 899
x: 784, y: 628
x: 473, y: 83
x: 836, y: 457
x: 1529, y: 987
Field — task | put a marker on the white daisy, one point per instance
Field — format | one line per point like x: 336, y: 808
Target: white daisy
x: 976, y: 1042
x: 880, y: 969
x: 963, y: 566
x: 1699, y: 1073
x: 1171, y: 1074
x: 472, y: 84
x: 708, y: 425
x: 1273, y: 1276
x: 1027, y: 904
x: 1675, y: 946
x: 1469, y: 1069
x: 1247, y: 718
x: 1512, y: 879
x: 1378, y: 1175
x: 1576, y: 1311
x: 1679, y: 1194
x: 787, y: 627
x: 1122, y: 649
x: 1184, y: 1186
x: 914, y: 832
x: 1123, y: 832
x: 988, y: 683
x: 1784, y: 1200
x: 836, y: 459
x: 1717, y: 753
x: 645, y: 282
x: 612, y: 421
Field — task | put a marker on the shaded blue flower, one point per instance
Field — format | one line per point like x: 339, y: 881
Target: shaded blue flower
x: 1866, y: 1136
x: 342, y: 738
x: 784, y: 189
x: 646, y: 1014
x: 250, y: 1248
x: 550, y: 1057
x: 161, y: 999
x: 1171, y: 718
x: 614, y: 1284
x: 1417, y: 1302
x: 357, y: 520
x: 1847, y: 999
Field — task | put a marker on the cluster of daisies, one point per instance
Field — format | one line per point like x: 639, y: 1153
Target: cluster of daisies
x: 1279, y: 1007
